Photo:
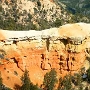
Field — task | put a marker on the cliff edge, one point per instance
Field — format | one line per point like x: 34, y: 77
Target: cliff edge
x: 65, y: 48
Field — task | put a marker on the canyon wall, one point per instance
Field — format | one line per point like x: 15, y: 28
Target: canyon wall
x: 65, y: 48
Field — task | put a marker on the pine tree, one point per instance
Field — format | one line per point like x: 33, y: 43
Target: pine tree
x: 0, y: 82
x: 50, y: 80
x: 26, y: 81
x: 27, y: 84
x: 65, y: 83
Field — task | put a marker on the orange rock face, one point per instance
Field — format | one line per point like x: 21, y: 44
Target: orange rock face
x: 37, y: 62
x: 38, y: 57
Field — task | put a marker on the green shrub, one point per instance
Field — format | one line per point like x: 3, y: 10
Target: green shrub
x: 15, y: 72
x: 38, y: 3
x: 57, y: 23
x: 1, y: 56
x: 0, y: 8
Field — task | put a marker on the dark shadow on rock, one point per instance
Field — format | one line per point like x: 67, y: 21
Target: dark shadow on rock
x: 17, y: 87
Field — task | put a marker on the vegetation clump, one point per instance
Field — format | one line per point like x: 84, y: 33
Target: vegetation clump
x: 26, y: 83
x: 50, y: 80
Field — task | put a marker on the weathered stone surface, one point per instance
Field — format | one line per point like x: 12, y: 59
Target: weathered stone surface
x: 64, y: 49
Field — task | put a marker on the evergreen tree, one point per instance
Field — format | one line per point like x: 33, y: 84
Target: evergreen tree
x: 50, y: 80
x: 2, y: 86
x: 65, y: 83
x: 26, y: 81
x: 88, y: 75
x: 27, y: 84
x: 0, y: 82
x: 34, y: 87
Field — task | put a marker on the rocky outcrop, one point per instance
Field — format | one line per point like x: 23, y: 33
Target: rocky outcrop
x: 65, y: 48
x: 32, y: 14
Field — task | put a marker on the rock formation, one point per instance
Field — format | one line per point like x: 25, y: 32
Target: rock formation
x: 65, y: 48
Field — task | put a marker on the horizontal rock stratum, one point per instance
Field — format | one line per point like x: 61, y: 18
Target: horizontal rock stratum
x: 78, y: 30
x: 65, y: 48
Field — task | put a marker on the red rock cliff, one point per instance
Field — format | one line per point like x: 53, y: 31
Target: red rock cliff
x: 64, y: 49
